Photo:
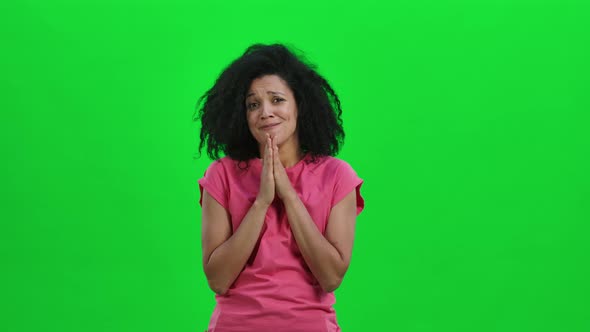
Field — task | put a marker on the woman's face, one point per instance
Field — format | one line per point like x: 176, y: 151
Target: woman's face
x: 271, y: 108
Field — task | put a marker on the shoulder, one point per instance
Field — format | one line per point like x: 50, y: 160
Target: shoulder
x: 336, y: 178
x: 219, y: 170
x: 225, y: 164
x: 215, y: 167
x: 216, y: 181
x: 332, y: 171
x: 232, y: 170
x: 332, y: 165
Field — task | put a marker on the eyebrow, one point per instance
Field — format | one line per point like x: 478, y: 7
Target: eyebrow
x: 268, y: 92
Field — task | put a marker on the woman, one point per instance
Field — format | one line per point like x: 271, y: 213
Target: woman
x: 278, y: 211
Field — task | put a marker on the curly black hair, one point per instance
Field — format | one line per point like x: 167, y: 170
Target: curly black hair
x: 224, y: 127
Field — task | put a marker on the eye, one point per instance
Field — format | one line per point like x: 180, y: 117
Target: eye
x: 251, y: 106
x: 278, y: 99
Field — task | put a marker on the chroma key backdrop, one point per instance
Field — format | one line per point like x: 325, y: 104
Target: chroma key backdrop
x: 467, y: 120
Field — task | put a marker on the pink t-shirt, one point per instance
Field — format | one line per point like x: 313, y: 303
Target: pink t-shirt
x: 276, y: 290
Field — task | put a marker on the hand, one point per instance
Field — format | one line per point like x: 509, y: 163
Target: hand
x: 266, y: 193
x: 283, y: 185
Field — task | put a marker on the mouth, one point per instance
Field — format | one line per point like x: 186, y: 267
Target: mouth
x: 269, y: 126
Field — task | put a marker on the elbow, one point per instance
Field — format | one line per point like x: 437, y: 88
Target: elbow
x: 215, y: 284
x: 219, y: 291
x: 217, y: 288
x: 331, y: 285
x: 330, y: 289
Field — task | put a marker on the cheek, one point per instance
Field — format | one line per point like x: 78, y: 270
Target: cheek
x: 251, y: 123
x: 290, y: 115
x: 252, y: 130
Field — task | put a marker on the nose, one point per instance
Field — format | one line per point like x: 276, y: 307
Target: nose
x: 266, y: 110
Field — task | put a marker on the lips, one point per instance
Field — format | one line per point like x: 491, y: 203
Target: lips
x: 269, y: 126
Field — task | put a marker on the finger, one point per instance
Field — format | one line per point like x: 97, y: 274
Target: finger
x: 268, y: 145
x: 270, y: 152
x: 270, y: 141
x: 266, y: 151
x: 268, y: 159
x: 275, y: 148
x: 276, y: 159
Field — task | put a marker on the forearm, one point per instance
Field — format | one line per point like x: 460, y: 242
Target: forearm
x: 227, y: 260
x: 323, y: 259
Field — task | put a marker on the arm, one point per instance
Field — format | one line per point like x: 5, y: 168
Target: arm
x: 327, y: 257
x: 224, y: 254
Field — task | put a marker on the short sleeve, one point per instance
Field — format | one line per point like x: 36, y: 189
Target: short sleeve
x: 216, y: 183
x: 347, y: 180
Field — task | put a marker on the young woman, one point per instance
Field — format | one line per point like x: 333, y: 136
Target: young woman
x: 278, y: 210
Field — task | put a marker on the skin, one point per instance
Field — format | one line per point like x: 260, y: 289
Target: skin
x: 271, y: 101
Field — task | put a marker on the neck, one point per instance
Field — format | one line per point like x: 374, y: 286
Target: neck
x: 290, y: 155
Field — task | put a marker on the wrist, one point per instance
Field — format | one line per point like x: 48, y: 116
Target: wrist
x: 290, y: 197
x: 259, y: 203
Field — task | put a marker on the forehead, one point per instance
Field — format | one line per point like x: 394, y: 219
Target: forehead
x: 268, y: 84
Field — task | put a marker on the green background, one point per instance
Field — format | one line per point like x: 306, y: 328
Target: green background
x: 468, y: 121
